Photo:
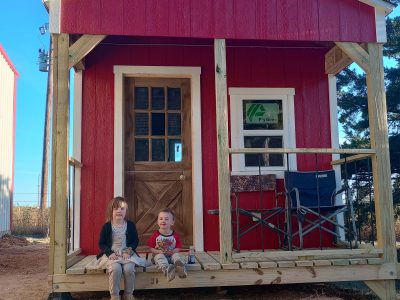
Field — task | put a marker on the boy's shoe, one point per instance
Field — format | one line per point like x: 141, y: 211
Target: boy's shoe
x: 170, y: 273
x: 181, y: 269
x: 128, y: 297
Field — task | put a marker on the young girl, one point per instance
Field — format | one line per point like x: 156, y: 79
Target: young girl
x: 118, y: 242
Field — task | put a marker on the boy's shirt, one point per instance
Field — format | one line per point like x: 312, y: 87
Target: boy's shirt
x: 164, y: 242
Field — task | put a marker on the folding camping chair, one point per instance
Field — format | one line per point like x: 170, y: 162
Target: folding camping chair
x: 261, y: 216
x: 312, y: 199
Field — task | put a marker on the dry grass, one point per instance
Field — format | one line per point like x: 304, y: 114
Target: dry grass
x: 30, y: 221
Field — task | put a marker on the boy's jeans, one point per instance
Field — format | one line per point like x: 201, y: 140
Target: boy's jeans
x: 162, y: 261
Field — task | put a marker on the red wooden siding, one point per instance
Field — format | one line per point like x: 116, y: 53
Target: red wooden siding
x: 297, y: 20
x: 301, y: 69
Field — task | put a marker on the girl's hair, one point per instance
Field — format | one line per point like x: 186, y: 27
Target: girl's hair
x: 114, y: 204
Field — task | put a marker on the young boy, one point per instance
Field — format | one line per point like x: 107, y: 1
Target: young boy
x: 165, y: 245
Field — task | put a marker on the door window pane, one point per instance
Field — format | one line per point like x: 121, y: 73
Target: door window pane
x: 264, y: 159
x: 157, y: 98
x: 158, y: 150
x: 175, y: 150
x: 141, y: 124
x: 174, y: 98
x: 141, y: 150
x: 174, y: 124
x: 262, y: 115
x: 157, y: 123
x: 141, y: 97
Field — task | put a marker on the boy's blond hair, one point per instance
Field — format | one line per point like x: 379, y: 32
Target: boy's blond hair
x: 169, y: 211
x: 115, y: 203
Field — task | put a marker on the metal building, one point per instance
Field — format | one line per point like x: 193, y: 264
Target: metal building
x: 8, y: 79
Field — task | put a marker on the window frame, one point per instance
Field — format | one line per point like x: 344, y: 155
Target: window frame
x: 288, y: 133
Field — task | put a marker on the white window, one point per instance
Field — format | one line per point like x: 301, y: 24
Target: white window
x: 262, y: 118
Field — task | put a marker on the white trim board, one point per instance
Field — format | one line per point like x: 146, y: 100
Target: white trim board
x: 335, y: 142
x: 193, y: 73
x: 77, y: 151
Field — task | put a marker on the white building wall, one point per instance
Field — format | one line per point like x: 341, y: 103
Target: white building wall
x: 7, y: 94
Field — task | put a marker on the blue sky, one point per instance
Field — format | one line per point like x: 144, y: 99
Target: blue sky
x: 20, y: 37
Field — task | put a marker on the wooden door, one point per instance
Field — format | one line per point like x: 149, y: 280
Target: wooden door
x: 158, y: 163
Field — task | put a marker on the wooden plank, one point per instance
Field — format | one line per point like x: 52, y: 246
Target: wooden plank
x: 375, y: 261
x: 336, y: 60
x: 304, y: 263
x: 356, y: 53
x: 306, y: 255
x: 80, y: 267
x: 301, y: 150
x: 60, y: 152
x: 377, y: 113
x: 225, y: 227
x: 350, y: 159
x: 74, y: 260
x: 82, y: 47
x: 226, y: 266
x: 249, y: 265
x: 340, y: 262
x: 286, y: 264
x: 78, y: 283
x: 207, y: 262
x: 358, y: 261
x: 268, y: 264
x: 54, y: 72
x: 322, y: 262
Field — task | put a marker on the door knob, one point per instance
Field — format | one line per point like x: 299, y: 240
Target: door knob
x: 182, y: 177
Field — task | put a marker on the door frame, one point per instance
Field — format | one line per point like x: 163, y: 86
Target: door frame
x: 193, y: 73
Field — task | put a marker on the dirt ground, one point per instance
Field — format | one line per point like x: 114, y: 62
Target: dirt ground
x: 24, y: 269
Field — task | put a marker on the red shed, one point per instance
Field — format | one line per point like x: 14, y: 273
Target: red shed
x: 173, y: 98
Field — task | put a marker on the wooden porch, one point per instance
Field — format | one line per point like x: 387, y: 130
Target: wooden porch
x: 272, y: 267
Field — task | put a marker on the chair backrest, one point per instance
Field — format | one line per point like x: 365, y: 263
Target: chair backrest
x: 251, y: 183
x: 310, y: 186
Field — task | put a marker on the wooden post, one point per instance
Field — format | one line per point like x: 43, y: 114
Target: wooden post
x: 59, y: 182
x: 381, y: 168
x: 225, y: 228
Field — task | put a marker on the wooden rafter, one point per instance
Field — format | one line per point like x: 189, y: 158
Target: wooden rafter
x: 336, y: 60
x: 356, y: 53
x: 225, y: 228
x: 81, y: 48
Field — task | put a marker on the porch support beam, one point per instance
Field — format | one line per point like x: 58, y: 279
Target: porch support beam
x: 377, y: 113
x: 81, y: 48
x: 356, y: 53
x: 225, y: 228
x: 59, y: 176
x: 336, y: 60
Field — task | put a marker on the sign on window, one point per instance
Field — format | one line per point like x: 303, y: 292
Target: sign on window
x: 262, y: 113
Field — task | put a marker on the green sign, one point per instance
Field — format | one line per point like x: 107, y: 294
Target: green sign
x: 262, y: 113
